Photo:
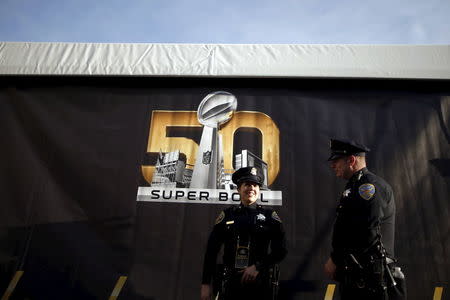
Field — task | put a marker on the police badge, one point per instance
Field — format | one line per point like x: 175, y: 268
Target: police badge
x: 366, y: 191
x: 260, y: 217
x: 346, y: 193
x: 242, y: 255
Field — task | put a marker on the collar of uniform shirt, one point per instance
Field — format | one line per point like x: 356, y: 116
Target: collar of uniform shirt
x: 251, y: 206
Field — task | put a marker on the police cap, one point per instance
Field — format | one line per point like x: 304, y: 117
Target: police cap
x: 341, y: 148
x: 252, y: 174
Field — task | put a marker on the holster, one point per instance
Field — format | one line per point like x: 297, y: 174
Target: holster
x: 376, y: 273
x: 352, y: 274
x: 220, y: 280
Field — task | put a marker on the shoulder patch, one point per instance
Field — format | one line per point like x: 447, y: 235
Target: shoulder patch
x: 220, y: 217
x: 366, y: 191
x: 275, y: 216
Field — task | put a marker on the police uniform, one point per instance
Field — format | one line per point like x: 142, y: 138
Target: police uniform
x: 363, y: 232
x: 246, y: 233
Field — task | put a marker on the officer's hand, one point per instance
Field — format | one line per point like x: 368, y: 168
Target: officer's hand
x: 330, y: 268
x: 205, y: 292
x: 249, y: 274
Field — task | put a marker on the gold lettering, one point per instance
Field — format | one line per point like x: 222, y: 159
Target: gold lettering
x: 270, y: 143
x: 158, y: 141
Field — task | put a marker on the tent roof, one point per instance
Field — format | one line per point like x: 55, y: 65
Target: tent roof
x: 230, y: 60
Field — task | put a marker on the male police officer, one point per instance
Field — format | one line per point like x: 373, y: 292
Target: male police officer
x: 245, y: 231
x: 363, y: 233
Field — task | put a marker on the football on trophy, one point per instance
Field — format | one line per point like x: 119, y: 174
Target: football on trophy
x: 216, y: 109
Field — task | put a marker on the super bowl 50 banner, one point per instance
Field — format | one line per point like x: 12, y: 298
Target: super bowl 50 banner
x: 188, y: 171
x: 110, y: 186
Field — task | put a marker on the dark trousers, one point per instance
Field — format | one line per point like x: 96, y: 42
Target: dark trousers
x: 397, y: 292
x: 354, y: 293
x: 235, y: 290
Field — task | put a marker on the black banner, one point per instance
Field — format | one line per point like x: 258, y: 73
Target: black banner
x: 76, y: 151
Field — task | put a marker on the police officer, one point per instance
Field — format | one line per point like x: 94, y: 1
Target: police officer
x: 247, y: 232
x: 363, y: 233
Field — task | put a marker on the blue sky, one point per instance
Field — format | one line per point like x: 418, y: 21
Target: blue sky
x: 227, y: 21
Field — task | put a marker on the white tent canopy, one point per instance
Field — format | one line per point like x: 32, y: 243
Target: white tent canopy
x: 216, y: 60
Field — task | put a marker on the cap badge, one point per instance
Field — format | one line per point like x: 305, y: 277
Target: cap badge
x: 253, y: 171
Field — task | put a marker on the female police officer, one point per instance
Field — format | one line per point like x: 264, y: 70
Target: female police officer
x: 246, y: 231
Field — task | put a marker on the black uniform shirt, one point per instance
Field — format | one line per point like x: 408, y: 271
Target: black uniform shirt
x: 366, y: 209
x: 252, y: 226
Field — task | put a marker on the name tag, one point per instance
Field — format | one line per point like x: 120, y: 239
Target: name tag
x: 242, y: 256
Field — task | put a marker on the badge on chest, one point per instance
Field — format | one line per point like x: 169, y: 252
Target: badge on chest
x: 346, y: 193
x: 260, y: 217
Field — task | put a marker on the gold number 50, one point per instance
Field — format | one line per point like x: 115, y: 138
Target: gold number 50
x: 158, y: 141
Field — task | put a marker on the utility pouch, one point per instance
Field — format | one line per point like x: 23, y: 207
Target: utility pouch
x: 376, y: 273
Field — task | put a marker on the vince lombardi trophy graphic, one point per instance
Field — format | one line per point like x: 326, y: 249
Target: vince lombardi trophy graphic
x: 215, y: 109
